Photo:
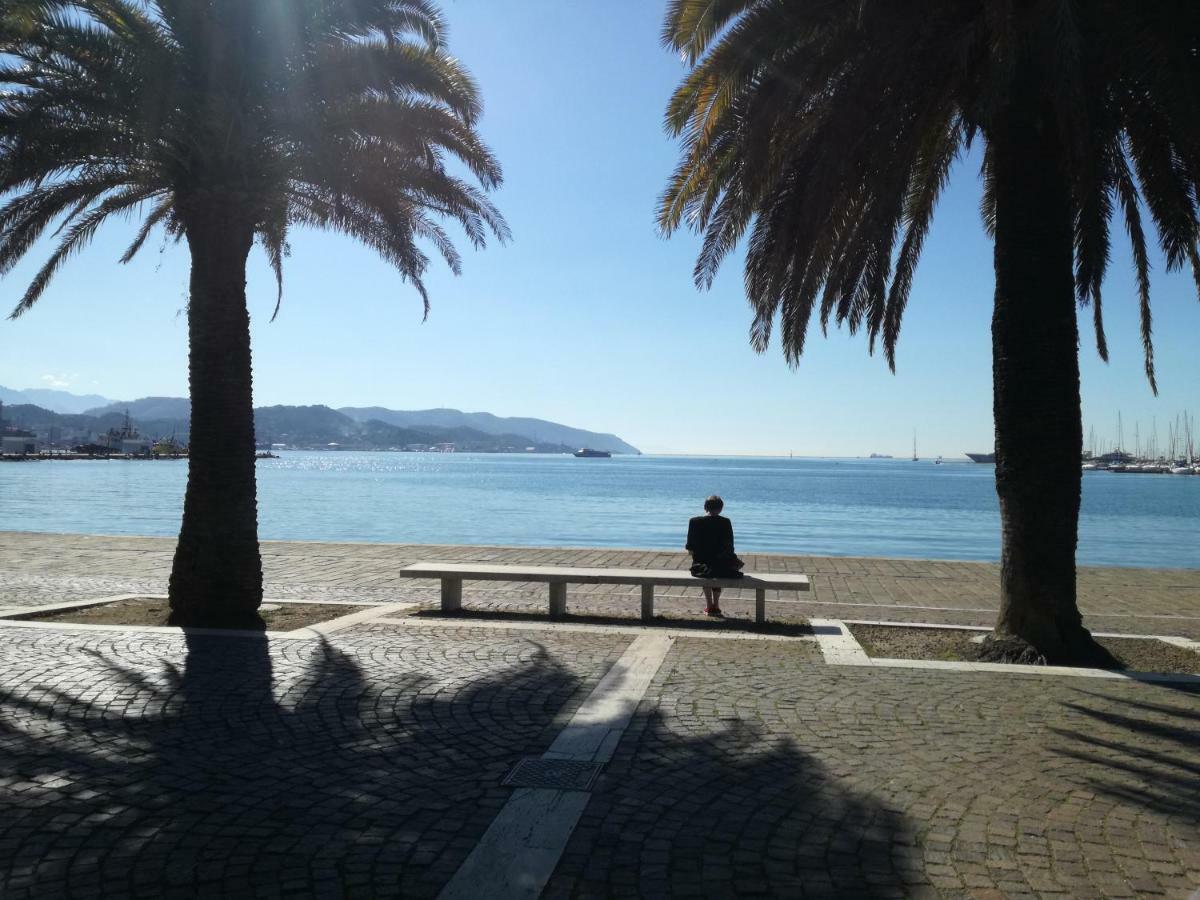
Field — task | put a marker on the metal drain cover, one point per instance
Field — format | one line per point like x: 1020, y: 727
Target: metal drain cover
x: 558, y: 774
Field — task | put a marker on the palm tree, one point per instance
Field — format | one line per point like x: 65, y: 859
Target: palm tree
x: 226, y: 123
x: 824, y: 133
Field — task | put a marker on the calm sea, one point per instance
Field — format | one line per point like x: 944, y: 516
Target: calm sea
x: 816, y: 506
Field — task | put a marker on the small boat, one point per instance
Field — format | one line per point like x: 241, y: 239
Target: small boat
x: 588, y: 453
x: 265, y: 454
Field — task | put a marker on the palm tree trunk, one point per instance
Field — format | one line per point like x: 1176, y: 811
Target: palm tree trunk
x: 1035, y: 374
x: 216, y: 579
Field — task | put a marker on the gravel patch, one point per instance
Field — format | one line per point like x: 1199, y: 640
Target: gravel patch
x: 1140, y: 655
x: 889, y: 642
x: 952, y: 645
x: 154, y: 611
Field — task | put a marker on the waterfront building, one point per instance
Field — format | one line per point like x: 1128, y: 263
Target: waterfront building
x: 19, y: 444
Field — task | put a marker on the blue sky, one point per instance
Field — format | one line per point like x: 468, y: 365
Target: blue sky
x: 589, y: 317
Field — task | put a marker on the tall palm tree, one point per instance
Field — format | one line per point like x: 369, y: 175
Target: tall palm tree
x: 225, y: 123
x: 823, y: 133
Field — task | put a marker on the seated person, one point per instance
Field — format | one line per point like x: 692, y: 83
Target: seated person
x: 710, y: 540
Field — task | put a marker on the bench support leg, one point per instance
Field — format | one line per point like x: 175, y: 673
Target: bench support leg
x: 760, y: 606
x: 558, y: 599
x: 647, y: 602
x: 451, y: 594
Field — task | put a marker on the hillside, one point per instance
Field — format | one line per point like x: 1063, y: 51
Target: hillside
x: 55, y: 401
x: 371, y: 427
x: 148, y: 408
x: 306, y: 427
x: 538, y: 430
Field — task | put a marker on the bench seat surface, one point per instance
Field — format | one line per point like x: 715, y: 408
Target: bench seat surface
x: 582, y: 575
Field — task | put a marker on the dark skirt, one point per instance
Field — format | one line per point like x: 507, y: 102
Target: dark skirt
x: 726, y: 567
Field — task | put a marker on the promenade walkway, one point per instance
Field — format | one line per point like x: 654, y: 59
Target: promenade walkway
x: 371, y: 761
x: 38, y: 568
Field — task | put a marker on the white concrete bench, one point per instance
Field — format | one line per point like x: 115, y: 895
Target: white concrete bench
x: 452, y: 576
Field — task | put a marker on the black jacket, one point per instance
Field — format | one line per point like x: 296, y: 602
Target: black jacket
x: 710, y: 539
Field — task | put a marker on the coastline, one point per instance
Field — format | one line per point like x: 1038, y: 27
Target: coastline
x: 881, y: 509
x: 594, y: 549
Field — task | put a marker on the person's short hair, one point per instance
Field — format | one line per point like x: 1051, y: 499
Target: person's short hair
x: 714, y: 504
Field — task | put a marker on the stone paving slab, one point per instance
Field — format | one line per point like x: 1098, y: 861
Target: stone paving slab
x: 39, y: 568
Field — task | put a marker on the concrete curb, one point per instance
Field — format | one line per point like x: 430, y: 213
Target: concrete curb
x: 23, y: 617
x: 842, y: 653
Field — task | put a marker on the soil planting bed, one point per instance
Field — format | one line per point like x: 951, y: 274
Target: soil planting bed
x: 1152, y: 656
x: 888, y: 642
x: 892, y: 642
x: 154, y: 611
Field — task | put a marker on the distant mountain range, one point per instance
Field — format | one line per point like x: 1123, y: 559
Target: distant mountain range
x: 309, y: 426
x: 56, y: 401
x: 145, y: 408
x: 539, y: 430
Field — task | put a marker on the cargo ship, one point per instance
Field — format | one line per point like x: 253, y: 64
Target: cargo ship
x: 587, y: 453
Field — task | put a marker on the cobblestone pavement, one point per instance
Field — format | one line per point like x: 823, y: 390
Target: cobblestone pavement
x: 760, y: 773
x: 37, y: 568
x: 370, y: 765
x: 154, y: 766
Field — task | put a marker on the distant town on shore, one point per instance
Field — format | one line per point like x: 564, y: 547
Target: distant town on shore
x: 162, y: 424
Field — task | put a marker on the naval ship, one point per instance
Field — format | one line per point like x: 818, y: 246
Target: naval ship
x: 982, y: 457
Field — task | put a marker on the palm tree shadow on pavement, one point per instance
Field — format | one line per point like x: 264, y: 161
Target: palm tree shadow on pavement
x: 260, y: 768
x: 1146, y: 754
x: 339, y: 769
x: 734, y: 811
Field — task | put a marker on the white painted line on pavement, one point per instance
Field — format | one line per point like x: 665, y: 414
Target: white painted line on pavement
x: 599, y: 723
x: 351, y: 619
x: 517, y: 854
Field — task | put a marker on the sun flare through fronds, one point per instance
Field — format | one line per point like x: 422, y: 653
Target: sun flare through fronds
x: 346, y: 115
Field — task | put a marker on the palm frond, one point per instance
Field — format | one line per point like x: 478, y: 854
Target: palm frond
x: 77, y: 236
x: 340, y: 114
x: 161, y: 213
x: 1127, y: 194
x: 798, y: 138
